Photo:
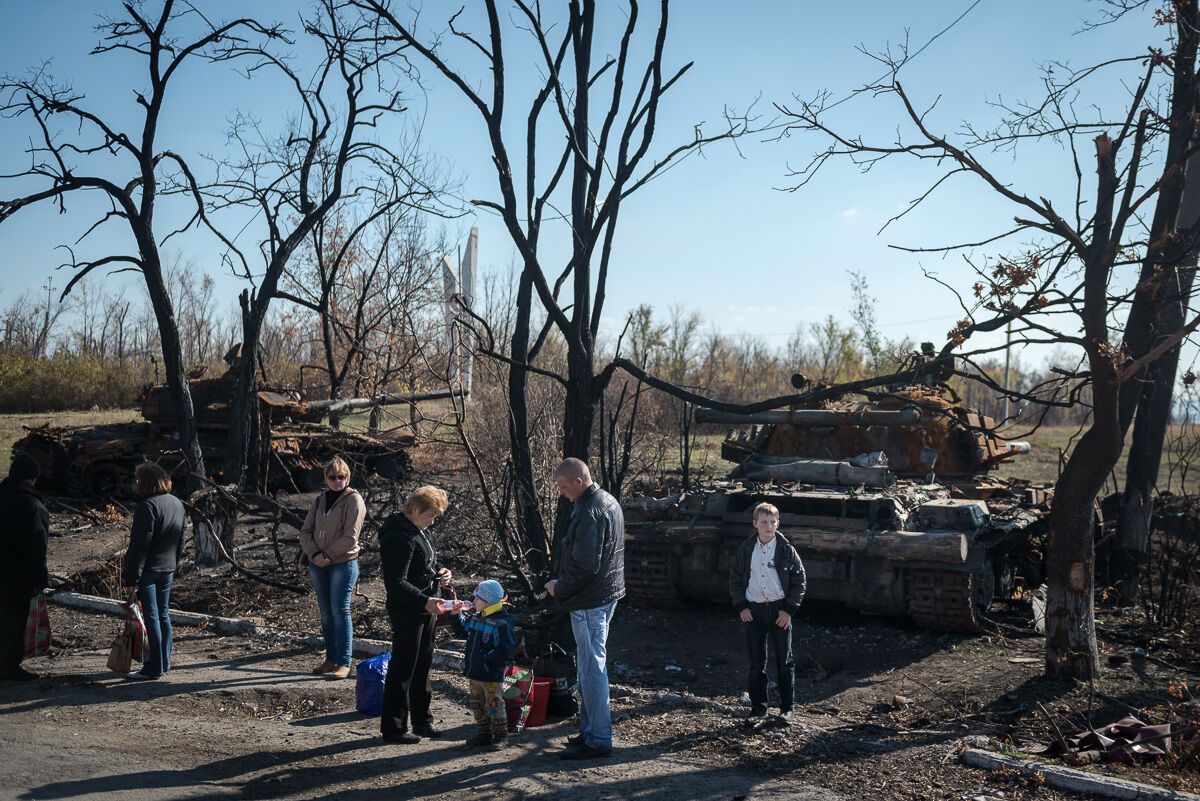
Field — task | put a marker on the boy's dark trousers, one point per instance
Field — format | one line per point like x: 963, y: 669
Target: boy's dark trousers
x: 761, y: 628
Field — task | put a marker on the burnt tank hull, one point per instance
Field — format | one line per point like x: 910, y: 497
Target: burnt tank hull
x: 98, y: 461
x: 880, y: 531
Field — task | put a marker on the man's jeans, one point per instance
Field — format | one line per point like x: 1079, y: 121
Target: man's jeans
x: 334, y: 585
x: 590, y: 627
x: 154, y: 591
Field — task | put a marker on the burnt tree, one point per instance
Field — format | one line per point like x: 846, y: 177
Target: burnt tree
x: 1060, y: 289
x: 605, y: 113
x: 295, y: 180
x: 77, y: 148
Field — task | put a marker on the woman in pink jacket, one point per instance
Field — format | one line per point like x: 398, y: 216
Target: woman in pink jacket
x: 329, y: 539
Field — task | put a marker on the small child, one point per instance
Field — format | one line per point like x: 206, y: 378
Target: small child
x: 491, y: 641
x: 766, y: 585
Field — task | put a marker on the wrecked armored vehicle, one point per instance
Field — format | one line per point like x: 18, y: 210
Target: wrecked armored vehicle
x: 98, y: 461
x: 889, y: 504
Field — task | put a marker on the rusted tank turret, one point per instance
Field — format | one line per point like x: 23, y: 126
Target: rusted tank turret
x: 888, y: 502
x: 99, y: 460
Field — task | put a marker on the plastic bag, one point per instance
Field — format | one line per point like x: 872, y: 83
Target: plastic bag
x: 368, y: 687
x: 37, y: 627
x: 517, y: 687
x: 139, y: 642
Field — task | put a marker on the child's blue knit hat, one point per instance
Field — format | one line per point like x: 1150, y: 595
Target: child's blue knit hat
x: 490, y: 591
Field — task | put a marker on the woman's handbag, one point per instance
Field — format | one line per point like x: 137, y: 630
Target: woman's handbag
x: 37, y: 627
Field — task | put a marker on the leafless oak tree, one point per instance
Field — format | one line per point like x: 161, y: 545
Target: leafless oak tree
x: 605, y: 113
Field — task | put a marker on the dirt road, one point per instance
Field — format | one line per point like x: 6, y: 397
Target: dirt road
x: 240, y: 718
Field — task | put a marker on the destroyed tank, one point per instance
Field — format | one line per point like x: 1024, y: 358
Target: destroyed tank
x: 98, y: 461
x: 889, y: 504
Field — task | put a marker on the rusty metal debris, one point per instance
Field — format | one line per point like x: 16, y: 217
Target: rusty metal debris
x: 1128, y: 740
x: 98, y: 461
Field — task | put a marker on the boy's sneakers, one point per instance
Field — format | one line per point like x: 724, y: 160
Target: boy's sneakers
x: 758, y: 711
x: 498, y: 743
x: 575, y: 740
x: 405, y: 737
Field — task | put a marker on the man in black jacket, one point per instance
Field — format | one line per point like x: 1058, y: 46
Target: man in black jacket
x: 590, y: 567
x: 24, y: 536
x: 766, y: 584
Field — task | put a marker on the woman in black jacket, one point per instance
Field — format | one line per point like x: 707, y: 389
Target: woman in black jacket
x: 155, y: 545
x: 411, y: 576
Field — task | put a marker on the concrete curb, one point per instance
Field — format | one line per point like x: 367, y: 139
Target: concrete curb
x: 450, y: 661
x: 1071, y: 779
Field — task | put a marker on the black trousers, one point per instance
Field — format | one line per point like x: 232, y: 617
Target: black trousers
x: 760, y: 629
x: 13, y: 615
x: 406, y: 690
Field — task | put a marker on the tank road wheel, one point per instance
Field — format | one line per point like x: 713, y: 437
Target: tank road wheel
x: 946, y: 600
x: 107, y: 480
x: 650, y: 578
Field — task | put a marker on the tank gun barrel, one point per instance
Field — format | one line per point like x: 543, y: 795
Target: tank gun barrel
x: 343, y: 405
x: 816, y: 417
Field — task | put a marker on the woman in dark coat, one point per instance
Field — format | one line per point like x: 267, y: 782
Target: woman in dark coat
x: 155, y: 545
x: 411, y: 576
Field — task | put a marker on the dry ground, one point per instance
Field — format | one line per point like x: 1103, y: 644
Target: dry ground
x: 250, y: 722
x: 240, y: 717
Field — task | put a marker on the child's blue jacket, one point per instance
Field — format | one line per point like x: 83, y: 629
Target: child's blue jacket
x: 491, y: 641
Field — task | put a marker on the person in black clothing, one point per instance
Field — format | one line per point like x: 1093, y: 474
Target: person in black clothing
x: 24, y: 536
x: 155, y: 545
x: 411, y: 577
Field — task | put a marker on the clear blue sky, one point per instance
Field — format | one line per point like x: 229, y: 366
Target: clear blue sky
x: 714, y: 235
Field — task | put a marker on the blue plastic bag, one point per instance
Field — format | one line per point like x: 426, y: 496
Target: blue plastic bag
x: 368, y: 687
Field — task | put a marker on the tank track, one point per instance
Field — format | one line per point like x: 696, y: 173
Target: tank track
x: 649, y: 578
x: 943, y: 600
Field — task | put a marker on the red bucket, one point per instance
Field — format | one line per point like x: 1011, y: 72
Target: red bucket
x: 539, y: 698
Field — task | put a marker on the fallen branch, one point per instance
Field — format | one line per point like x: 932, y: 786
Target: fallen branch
x: 1071, y: 779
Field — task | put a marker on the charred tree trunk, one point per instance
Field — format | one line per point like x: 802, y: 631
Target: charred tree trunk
x: 529, y: 518
x: 1157, y: 311
x: 176, y: 375
x: 1070, y: 555
x: 1154, y: 393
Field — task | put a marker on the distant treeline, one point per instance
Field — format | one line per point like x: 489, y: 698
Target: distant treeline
x: 100, y: 350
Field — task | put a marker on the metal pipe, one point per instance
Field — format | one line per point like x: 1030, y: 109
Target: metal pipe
x: 343, y: 405
x: 817, y: 417
x: 816, y: 471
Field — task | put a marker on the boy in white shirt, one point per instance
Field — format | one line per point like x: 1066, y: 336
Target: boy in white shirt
x: 766, y: 584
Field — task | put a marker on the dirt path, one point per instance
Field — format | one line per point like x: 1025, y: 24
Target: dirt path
x: 238, y: 718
